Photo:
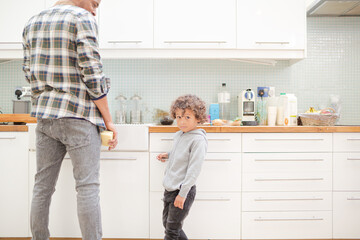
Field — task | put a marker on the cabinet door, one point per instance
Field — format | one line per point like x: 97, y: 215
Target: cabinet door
x: 126, y: 24
x: 276, y: 24
x: 13, y: 17
x: 14, y: 205
x: 346, y: 142
x: 195, y: 24
x: 346, y: 171
x: 212, y: 216
x: 346, y: 214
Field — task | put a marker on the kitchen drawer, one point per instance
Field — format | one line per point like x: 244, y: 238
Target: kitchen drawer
x: 346, y: 215
x: 286, y: 201
x: 346, y: 142
x: 287, y: 172
x: 217, y: 142
x: 287, y: 142
x: 212, y: 216
x: 287, y: 225
x: 220, y: 172
x: 346, y: 172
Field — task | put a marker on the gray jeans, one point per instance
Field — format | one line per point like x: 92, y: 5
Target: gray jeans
x: 81, y: 139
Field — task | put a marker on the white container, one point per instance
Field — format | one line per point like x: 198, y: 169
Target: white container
x: 282, y: 117
x: 224, y: 103
x: 292, y: 109
x: 272, y: 110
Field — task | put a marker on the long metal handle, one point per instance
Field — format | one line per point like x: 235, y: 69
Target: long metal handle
x: 353, y: 198
x: 195, y: 42
x: 286, y: 199
x: 217, y: 160
x: 289, y: 160
x: 288, y: 179
x: 135, y: 41
x: 289, y: 139
x: 272, y: 43
x: 353, y: 159
x: 113, y: 158
x: 6, y: 138
x: 212, y: 199
x: 10, y: 42
x: 288, y: 219
x: 167, y: 139
x: 219, y: 139
x: 353, y: 139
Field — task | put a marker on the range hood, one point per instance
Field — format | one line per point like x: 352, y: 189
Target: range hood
x: 333, y: 8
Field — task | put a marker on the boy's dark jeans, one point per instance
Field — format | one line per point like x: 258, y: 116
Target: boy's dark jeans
x: 173, y: 217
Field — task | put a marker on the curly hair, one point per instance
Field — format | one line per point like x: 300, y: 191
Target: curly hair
x: 191, y: 102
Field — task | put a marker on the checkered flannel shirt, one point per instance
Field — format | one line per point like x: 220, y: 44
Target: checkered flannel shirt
x: 62, y: 64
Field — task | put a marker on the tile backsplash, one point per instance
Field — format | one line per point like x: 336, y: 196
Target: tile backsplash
x: 332, y: 66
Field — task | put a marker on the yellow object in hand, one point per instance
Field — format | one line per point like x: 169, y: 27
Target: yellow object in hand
x: 106, y: 136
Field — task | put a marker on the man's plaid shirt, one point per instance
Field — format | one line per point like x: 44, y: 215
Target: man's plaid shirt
x: 62, y: 64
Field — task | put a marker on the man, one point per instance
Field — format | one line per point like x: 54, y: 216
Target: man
x: 62, y: 64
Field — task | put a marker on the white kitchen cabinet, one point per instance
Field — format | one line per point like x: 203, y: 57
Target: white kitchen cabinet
x: 346, y: 142
x: 346, y: 171
x: 126, y: 24
x: 287, y: 225
x: 346, y: 214
x: 287, y: 142
x: 14, y: 15
x: 212, y: 216
x: 275, y: 24
x: 195, y: 24
x: 14, y: 218
x: 220, y: 172
x: 124, y: 197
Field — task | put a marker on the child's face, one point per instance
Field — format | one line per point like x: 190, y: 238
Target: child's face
x: 186, y: 121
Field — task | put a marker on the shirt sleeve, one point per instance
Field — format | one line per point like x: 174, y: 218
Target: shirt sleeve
x: 89, y: 58
x: 26, y: 63
x: 196, y: 159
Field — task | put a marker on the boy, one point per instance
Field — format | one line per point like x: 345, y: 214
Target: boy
x: 185, y: 160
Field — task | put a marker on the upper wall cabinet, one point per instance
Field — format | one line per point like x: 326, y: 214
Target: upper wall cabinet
x: 126, y: 24
x: 13, y: 16
x: 195, y: 24
x: 275, y: 24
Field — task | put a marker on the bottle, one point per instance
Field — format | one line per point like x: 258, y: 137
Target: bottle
x: 292, y: 106
x: 214, y: 111
x: 282, y: 110
x: 120, y: 113
x: 135, y: 113
x: 224, y: 103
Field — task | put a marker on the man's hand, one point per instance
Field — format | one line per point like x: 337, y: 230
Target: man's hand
x: 162, y: 157
x: 111, y: 127
x: 179, y: 202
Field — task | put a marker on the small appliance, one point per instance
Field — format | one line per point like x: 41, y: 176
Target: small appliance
x: 246, y: 107
x: 20, y: 105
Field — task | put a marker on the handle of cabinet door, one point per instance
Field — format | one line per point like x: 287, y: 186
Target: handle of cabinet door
x: 353, y: 159
x: 113, y: 158
x: 167, y: 139
x: 289, y: 139
x: 352, y: 198
x: 125, y: 42
x: 219, y: 139
x: 212, y: 199
x: 353, y: 139
x: 195, y: 42
x: 289, y: 160
x: 10, y: 42
x: 288, y: 179
x: 273, y: 43
x: 288, y: 199
x: 218, y: 160
x: 6, y: 138
x: 288, y: 219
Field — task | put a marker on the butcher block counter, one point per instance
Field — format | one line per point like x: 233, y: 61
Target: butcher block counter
x: 262, y: 129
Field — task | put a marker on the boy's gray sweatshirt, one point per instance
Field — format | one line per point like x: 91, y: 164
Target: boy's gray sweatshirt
x: 185, y: 161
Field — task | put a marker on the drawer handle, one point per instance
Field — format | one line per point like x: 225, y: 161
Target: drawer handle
x: 289, y: 139
x: 287, y: 199
x: 167, y: 139
x: 353, y: 159
x: 113, y: 158
x: 125, y: 42
x: 353, y: 198
x: 218, y: 160
x: 195, y: 42
x: 353, y: 139
x: 10, y: 42
x: 7, y: 138
x: 212, y: 199
x: 272, y: 42
x: 288, y: 219
x: 289, y: 179
x: 219, y: 139
x: 289, y: 160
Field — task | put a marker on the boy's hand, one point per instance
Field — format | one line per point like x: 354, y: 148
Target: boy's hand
x: 162, y: 157
x: 179, y: 202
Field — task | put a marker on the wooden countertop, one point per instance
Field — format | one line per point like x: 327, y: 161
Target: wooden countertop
x: 13, y: 128
x: 262, y: 129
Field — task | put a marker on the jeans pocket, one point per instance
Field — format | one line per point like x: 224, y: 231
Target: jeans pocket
x: 78, y: 132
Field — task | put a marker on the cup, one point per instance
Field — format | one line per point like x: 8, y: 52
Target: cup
x: 272, y: 116
x: 106, y: 136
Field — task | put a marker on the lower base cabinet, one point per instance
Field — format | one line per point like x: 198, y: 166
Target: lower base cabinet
x: 346, y: 212
x: 212, y: 216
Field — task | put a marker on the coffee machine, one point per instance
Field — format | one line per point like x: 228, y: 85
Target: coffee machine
x: 20, y: 105
x: 246, y: 107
